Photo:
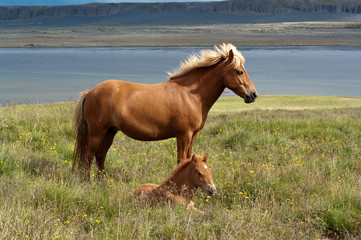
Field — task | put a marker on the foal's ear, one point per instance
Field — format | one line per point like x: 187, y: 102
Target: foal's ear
x: 205, y: 159
x: 194, y: 158
x: 230, y: 55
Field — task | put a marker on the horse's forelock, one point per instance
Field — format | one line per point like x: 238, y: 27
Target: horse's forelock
x: 238, y: 58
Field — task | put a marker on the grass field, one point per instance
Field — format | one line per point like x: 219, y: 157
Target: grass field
x: 285, y: 168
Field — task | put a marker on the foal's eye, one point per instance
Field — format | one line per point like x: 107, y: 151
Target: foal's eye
x: 240, y: 73
x: 199, y: 174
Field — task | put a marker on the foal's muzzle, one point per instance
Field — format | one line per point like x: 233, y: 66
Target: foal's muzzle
x: 250, y: 97
x: 211, y: 190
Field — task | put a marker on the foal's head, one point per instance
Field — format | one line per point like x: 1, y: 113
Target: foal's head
x: 202, y: 174
x: 235, y: 75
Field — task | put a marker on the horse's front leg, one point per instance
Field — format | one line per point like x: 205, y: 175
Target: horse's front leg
x: 183, y: 143
x: 190, y: 147
x: 182, y: 201
x: 191, y: 207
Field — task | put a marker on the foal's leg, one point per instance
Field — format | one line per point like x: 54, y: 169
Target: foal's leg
x: 191, y: 207
x: 103, y: 149
x: 181, y: 200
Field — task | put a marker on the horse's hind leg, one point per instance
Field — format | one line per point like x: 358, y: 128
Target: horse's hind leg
x: 94, y: 143
x: 103, y: 149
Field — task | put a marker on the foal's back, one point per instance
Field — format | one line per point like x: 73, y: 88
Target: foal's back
x: 145, y: 189
x: 149, y: 193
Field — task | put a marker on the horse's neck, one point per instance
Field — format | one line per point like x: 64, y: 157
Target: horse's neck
x: 206, y: 83
x: 181, y: 183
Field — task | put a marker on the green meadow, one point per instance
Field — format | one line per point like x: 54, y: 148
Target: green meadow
x: 285, y: 167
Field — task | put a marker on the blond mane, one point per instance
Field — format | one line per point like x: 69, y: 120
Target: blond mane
x: 208, y: 58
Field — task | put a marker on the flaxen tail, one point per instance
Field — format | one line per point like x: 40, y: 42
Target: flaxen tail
x: 82, y: 134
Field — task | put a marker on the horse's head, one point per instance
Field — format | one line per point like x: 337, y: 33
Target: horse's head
x: 236, y: 77
x: 202, y: 174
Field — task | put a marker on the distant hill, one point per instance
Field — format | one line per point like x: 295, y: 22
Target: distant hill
x: 180, y: 13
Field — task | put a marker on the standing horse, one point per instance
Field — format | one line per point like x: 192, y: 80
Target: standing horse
x: 147, y: 112
x: 181, y: 186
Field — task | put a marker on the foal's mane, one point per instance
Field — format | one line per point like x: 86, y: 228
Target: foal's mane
x: 207, y: 58
x: 179, y: 168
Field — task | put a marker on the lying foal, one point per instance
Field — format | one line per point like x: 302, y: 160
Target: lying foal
x: 182, y: 185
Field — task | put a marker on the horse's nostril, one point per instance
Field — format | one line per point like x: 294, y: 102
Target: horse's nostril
x: 254, y: 95
x: 211, y: 190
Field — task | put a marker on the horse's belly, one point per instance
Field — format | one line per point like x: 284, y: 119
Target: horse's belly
x: 147, y: 124
x: 146, y: 132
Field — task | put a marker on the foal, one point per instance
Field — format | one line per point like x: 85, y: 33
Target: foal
x: 181, y: 186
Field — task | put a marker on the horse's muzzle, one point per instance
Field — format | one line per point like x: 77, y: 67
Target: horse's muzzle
x: 250, y: 97
x: 211, y: 190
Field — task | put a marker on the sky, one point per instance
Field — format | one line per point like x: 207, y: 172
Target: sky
x: 73, y: 2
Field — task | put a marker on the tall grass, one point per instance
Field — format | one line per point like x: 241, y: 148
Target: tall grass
x: 280, y: 174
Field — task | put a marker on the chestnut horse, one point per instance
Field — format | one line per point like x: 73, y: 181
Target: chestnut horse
x: 147, y: 112
x: 181, y: 186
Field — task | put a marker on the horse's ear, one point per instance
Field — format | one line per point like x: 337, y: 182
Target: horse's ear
x: 205, y: 159
x: 194, y: 158
x: 230, y: 55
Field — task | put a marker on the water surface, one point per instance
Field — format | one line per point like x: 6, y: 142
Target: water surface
x: 58, y: 74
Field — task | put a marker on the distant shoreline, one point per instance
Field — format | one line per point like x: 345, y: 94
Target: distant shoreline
x: 265, y: 102
x: 346, y: 33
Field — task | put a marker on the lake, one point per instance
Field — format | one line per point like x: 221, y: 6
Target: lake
x: 37, y: 75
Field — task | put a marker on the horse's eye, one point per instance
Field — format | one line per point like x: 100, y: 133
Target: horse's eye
x: 199, y: 174
x: 240, y: 73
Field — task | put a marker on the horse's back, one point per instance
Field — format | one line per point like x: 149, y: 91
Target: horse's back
x: 145, y: 193
x: 145, y: 189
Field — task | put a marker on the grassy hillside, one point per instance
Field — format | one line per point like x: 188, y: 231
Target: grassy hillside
x: 280, y: 174
x: 339, y: 33
x: 234, y: 104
